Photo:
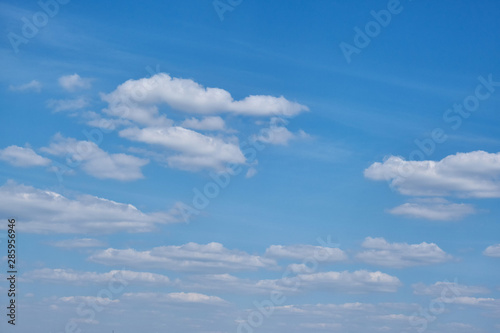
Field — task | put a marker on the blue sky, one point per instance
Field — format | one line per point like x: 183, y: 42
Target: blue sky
x: 251, y: 166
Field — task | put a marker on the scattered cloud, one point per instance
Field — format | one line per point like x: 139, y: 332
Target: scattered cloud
x: 361, y: 281
x: 74, y: 82
x: 475, y: 174
x: 22, y: 157
x: 187, y: 257
x: 58, y: 105
x: 197, y: 151
x: 400, y: 255
x: 492, y: 251
x: 206, y: 124
x: 78, y: 243
x: 34, y: 85
x: 49, y: 212
x: 447, y: 289
x: 95, y: 161
x: 303, y: 252
x: 434, y: 209
x: 89, y: 278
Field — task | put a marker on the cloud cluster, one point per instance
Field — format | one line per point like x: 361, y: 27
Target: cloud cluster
x: 399, y: 255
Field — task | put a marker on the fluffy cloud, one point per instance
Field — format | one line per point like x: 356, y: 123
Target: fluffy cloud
x: 189, y: 96
x: 197, y: 151
x: 176, y: 298
x: 34, y: 85
x: 74, y: 82
x: 207, y: 124
x: 95, y: 161
x: 49, y: 212
x: 492, y: 251
x: 447, y: 289
x: 89, y: 278
x: 58, y: 105
x: 22, y: 157
x: 400, y: 255
x: 78, y: 243
x: 434, y: 209
x: 187, y: 257
x: 303, y: 252
x: 475, y: 174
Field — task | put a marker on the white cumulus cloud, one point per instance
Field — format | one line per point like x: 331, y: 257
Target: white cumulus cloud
x: 474, y: 174
x: 398, y: 255
x: 49, y: 212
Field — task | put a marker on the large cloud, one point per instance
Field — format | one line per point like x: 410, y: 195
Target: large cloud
x: 140, y: 96
x: 475, y: 174
x: 187, y: 257
x: 95, y: 161
x: 49, y: 212
x: 197, y: 151
x: 381, y: 253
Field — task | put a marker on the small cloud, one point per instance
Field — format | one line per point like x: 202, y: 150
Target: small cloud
x: 207, y: 124
x: 434, y: 209
x: 74, y: 82
x: 30, y: 86
x: 22, y: 157
x: 492, y: 251
x: 78, y: 243
x: 67, y: 104
x: 251, y: 172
